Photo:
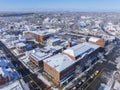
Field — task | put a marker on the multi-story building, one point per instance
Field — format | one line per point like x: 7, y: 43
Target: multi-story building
x: 57, y: 42
x: 84, y: 54
x: 21, y: 47
x: 61, y: 67
x: 40, y: 36
x: 97, y: 41
x: 54, y: 42
x: 38, y: 57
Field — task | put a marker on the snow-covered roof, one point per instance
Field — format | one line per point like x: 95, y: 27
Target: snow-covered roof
x: 56, y: 48
x: 42, y: 33
x: 3, y: 63
x: 10, y: 36
x: 4, y: 71
x: 59, y: 62
x: 39, y: 56
x: 94, y: 39
x: 16, y: 85
x: 20, y: 44
x: 16, y: 41
x: 51, y: 49
x: 80, y: 49
x: 116, y: 85
x: 54, y: 40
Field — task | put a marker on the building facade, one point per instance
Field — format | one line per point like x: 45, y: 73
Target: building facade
x: 61, y: 67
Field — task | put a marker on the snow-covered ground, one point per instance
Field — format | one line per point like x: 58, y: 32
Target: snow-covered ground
x: 113, y: 83
x: 118, y: 63
x: 116, y: 85
x: 12, y: 86
x: 7, y: 69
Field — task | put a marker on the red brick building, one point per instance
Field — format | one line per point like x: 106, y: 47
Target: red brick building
x: 38, y: 57
x: 97, y: 41
x: 61, y: 67
x: 40, y: 36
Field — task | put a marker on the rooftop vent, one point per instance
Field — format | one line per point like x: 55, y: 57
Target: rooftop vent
x: 56, y: 66
x: 48, y: 61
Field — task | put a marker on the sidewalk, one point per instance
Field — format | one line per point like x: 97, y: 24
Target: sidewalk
x: 44, y: 80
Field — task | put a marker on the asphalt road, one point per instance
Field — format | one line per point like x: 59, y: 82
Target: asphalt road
x: 107, y: 66
x: 28, y: 77
x: 103, y: 68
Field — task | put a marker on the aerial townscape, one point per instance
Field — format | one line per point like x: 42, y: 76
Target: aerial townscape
x: 59, y: 50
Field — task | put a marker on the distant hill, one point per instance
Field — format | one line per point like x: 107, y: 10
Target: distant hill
x: 14, y: 14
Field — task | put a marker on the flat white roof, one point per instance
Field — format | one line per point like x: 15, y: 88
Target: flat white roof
x: 59, y: 62
x: 9, y: 36
x: 39, y: 56
x: 43, y: 33
x: 57, y: 48
x: 52, y: 49
x: 20, y: 45
x: 94, y: 39
x: 80, y: 49
x: 54, y: 40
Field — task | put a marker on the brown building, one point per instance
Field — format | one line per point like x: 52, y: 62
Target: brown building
x: 97, y: 41
x: 60, y: 67
x: 40, y: 36
x: 83, y: 54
